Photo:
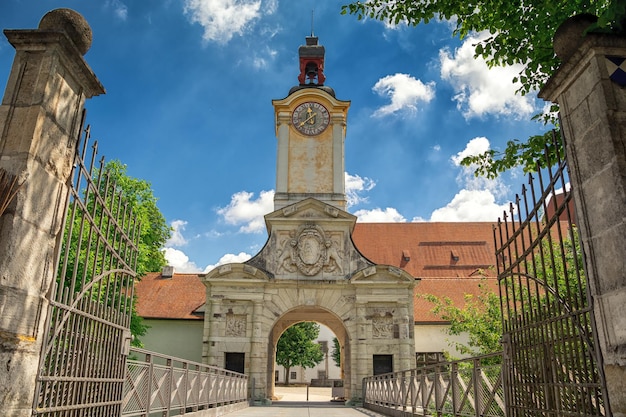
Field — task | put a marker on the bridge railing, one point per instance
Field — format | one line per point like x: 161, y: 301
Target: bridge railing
x: 163, y: 385
x: 467, y: 387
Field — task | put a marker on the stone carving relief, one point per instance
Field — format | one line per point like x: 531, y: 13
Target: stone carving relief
x: 309, y: 250
x: 235, y: 325
x: 382, y: 328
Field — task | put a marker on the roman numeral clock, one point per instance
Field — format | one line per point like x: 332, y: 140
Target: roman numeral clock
x: 310, y: 118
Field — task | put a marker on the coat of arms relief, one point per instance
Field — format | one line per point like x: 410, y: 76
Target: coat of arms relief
x: 310, y: 250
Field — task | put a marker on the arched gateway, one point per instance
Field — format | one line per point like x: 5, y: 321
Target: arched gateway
x: 309, y: 269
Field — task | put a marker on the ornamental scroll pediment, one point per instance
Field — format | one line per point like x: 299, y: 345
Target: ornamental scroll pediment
x: 309, y: 250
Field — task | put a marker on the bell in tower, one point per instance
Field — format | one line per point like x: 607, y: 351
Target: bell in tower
x: 311, y: 62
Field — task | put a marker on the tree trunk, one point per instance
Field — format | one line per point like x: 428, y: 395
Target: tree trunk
x: 287, y: 376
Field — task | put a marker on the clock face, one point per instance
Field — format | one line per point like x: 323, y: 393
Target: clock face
x: 310, y: 118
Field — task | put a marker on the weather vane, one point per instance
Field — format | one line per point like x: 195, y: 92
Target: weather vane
x: 312, y: 12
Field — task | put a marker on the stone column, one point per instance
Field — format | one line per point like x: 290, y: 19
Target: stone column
x: 258, y: 350
x: 39, y: 123
x: 590, y: 89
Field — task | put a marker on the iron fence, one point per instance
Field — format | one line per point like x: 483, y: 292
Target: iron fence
x: 162, y: 385
x: 466, y: 387
x: 83, y: 360
x: 552, y: 365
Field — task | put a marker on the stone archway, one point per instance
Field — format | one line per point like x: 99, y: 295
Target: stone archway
x: 319, y: 315
x: 309, y: 270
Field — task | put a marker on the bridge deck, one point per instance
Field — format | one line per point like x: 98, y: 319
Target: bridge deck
x: 304, y: 409
x: 293, y: 402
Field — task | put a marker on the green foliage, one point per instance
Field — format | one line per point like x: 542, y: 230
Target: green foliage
x: 336, y: 352
x: 520, y: 33
x: 154, y: 228
x: 557, y: 265
x: 480, y: 319
x: 538, y: 151
x: 154, y: 231
x: 83, y: 264
x: 296, y: 347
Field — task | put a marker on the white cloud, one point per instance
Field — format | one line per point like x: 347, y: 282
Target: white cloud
x: 229, y: 258
x: 119, y: 8
x: 179, y: 261
x: 470, y: 206
x: 177, y: 238
x: 354, y: 186
x: 222, y: 19
x: 248, y: 213
x: 377, y: 215
x: 404, y: 91
x: 262, y: 60
x: 476, y: 146
x: 466, y: 178
x: 481, y: 90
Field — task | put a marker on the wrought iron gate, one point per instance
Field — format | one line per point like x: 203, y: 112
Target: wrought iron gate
x: 83, y: 360
x: 552, y: 364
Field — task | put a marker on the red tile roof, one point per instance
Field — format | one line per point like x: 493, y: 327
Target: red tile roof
x: 177, y: 297
x: 450, y: 258
x: 447, y: 257
x: 435, y: 250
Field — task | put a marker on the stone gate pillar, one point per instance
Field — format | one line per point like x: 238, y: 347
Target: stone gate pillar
x: 590, y: 88
x: 39, y: 125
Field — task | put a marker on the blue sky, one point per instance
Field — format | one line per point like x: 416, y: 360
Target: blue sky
x: 188, y: 108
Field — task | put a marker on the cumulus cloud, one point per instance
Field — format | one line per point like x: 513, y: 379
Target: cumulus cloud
x: 245, y: 211
x: 466, y: 178
x: 481, y: 90
x: 476, y: 146
x: 179, y: 261
x: 355, y: 185
x: 377, y: 215
x: 404, y: 91
x: 470, y: 206
x: 229, y: 258
x: 177, y: 238
x: 222, y: 19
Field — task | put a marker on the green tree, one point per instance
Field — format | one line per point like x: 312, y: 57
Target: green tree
x: 154, y: 232
x: 154, y: 228
x: 296, y: 347
x: 336, y: 353
x: 557, y: 265
x: 519, y: 33
x: 480, y: 318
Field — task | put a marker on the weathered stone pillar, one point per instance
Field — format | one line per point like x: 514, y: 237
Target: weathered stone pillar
x: 39, y: 122
x: 590, y: 88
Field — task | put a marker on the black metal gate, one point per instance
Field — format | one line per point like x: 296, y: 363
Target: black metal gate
x: 552, y: 363
x: 83, y: 361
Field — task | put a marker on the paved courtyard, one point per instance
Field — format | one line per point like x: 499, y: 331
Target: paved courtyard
x: 292, y: 402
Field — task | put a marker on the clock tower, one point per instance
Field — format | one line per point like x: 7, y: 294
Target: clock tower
x: 309, y: 268
x: 310, y: 128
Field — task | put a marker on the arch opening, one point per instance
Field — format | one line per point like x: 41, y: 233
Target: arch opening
x: 310, y: 314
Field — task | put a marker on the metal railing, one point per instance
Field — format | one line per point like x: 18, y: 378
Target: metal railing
x: 163, y: 385
x: 467, y: 387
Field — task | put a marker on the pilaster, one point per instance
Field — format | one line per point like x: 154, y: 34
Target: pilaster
x: 39, y: 125
x: 592, y: 100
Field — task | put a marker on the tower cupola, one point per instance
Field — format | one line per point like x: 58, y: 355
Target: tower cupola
x: 311, y: 62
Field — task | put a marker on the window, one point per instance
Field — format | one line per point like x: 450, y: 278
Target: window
x: 275, y: 376
x: 383, y: 364
x: 292, y: 375
x: 234, y: 361
x: 428, y: 358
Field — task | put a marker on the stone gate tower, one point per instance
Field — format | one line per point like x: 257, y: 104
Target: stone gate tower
x: 309, y: 269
